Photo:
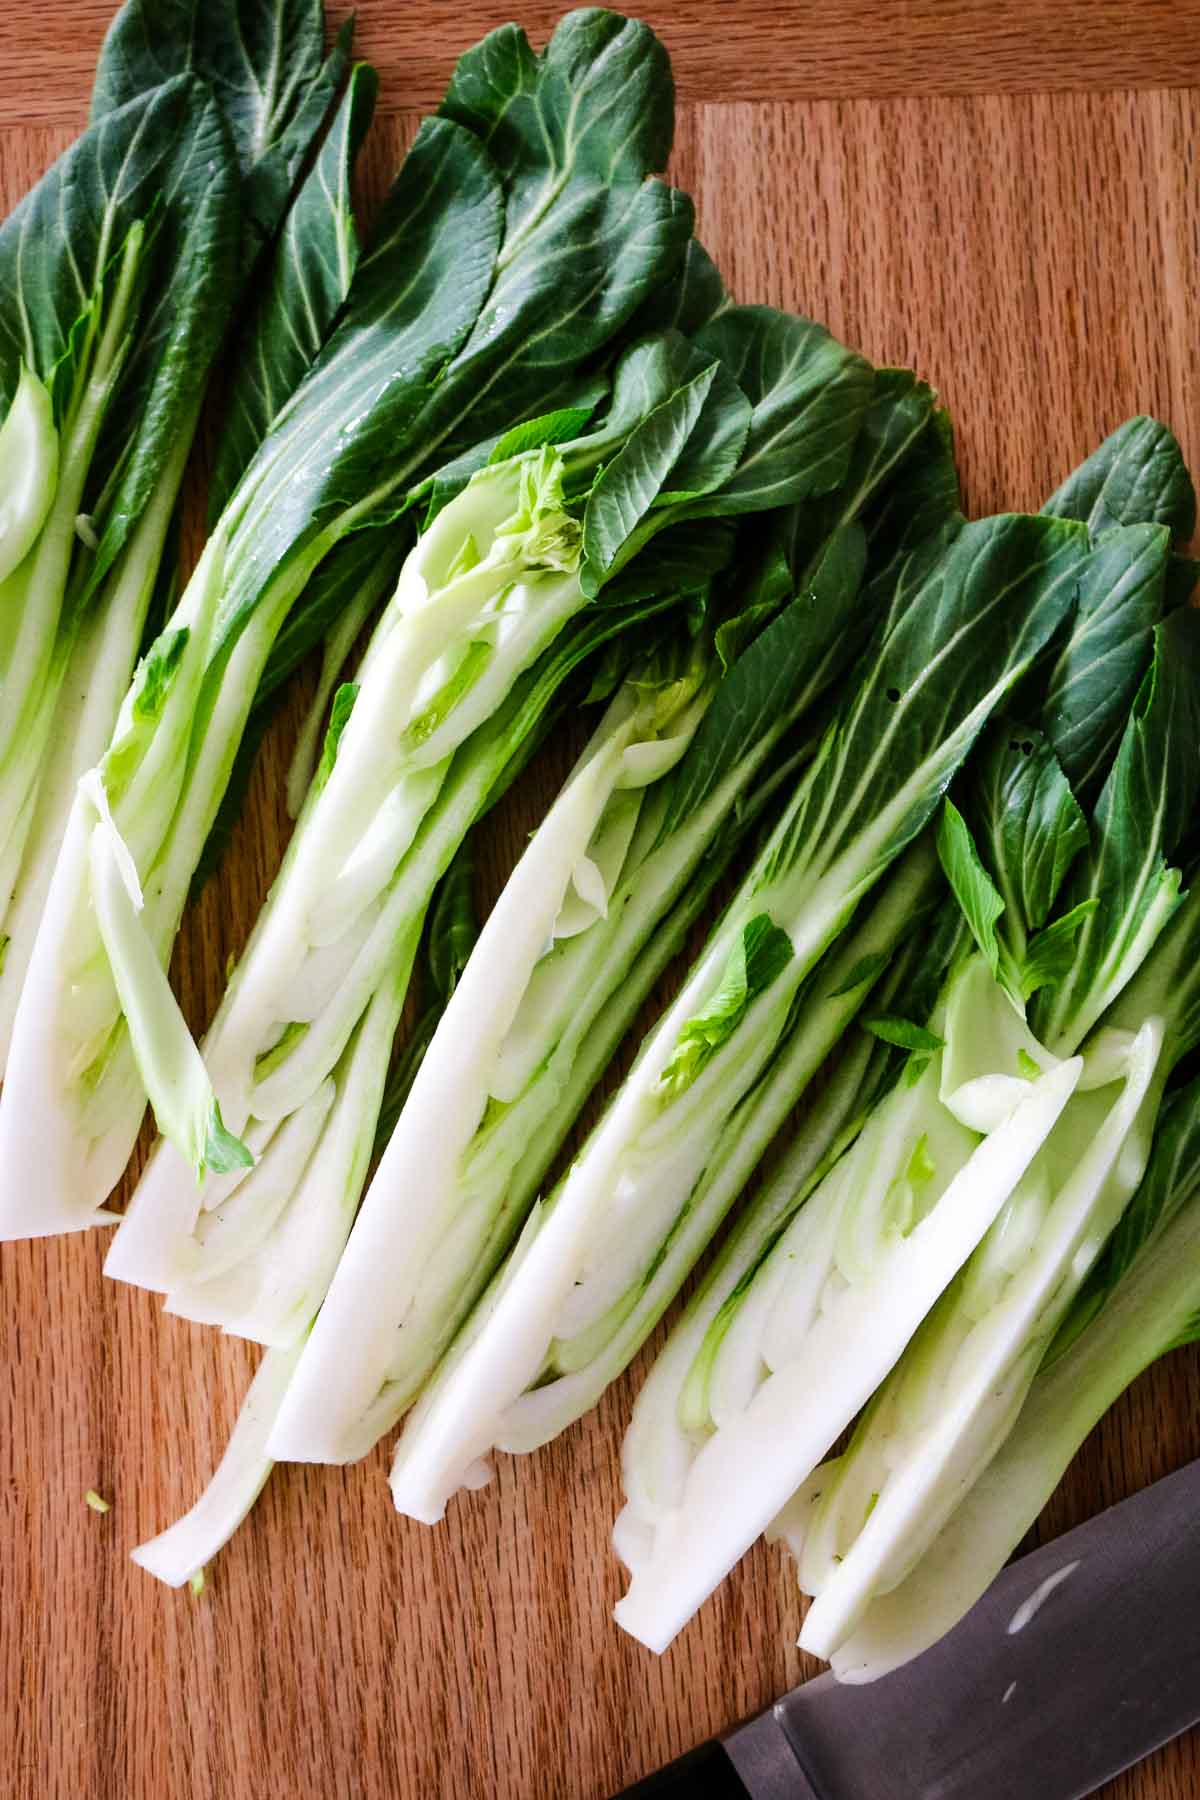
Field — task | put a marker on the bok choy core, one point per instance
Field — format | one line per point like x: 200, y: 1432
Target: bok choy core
x: 122, y: 272
x: 523, y: 231
x: 963, y: 615
x: 879, y: 1231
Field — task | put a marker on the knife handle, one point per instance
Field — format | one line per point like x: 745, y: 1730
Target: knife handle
x: 705, y: 1771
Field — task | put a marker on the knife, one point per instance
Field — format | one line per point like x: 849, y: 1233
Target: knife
x: 1051, y: 1685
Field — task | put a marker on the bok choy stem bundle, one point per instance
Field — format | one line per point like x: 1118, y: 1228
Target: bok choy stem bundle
x: 879, y: 1228
x: 674, y: 774
x: 123, y: 271
x: 963, y: 614
x: 1142, y: 1300
x: 523, y: 232
x: 954, y: 765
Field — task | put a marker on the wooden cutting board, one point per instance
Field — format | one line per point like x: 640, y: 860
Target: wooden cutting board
x: 1002, y: 194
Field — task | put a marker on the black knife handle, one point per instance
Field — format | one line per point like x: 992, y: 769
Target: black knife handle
x: 705, y: 1773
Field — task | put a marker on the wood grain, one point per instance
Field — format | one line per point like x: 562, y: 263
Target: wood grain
x: 1036, y: 255
x: 721, y: 49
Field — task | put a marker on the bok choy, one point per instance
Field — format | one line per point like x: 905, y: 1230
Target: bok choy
x: 964, y: 613
x: 952, y: 1398
x: 504, y: 591
x: 881, y: 1222
x: 677, y: 770
x: 124, y: 269
x: 522, y: 233
x: 177, y: 1554
x: 1142, y: 1300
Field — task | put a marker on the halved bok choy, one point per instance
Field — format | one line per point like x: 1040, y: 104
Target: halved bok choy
x: 501, y: 262
x: 127, y: 266
x: 684, y: 761
x: 757, y: 1331
x: 511, y: 583
x: 1141, y: 1301
x: 963, y: 615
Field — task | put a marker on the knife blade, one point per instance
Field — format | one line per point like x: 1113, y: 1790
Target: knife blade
x: 1081, y: 1658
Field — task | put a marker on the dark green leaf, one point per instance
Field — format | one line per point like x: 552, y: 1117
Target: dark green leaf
x: 681, y: 560
x: 737, y: 634
x: 578, y: 131
x: 1138, y: 475
x: 1183, y: 572
x: 633, y: 482
x: 1147, y: 806
x: 264, y: 62
x: 794, y: 540
x: 694, y: 295
x: 190, y: 300
x: 921, y: 499
x: 1096, y: 675
x: 1048, y: 960
x: 963, y: 622
x: 809, y: 395
x: 413, y: 301
x: 777, y: 679
x: 305, y: 283
x: 647, y: 373
x: 894, y: 434
x: 1028, y: 820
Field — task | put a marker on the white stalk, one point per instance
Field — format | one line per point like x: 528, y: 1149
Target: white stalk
x: 1152, y: 1307
x: 396, y: 1281
x: 687, y: 1219
x: 269, y: 1282
x: 660, y: 1443
x: 73, y: 1100
x: 28, y: 469
x: 748, y: 1469
x: 93, y: 686
x: 591, y: 1245
x: 981, y: 1385
x: 34, y: 593
x: 183, y: 1550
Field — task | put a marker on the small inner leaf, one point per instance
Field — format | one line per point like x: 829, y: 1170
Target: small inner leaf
x: 761, y: 953
x: 339, y: 718
x: 904, y: 1034
x: 974, y: 889
x: 223, y: 1152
